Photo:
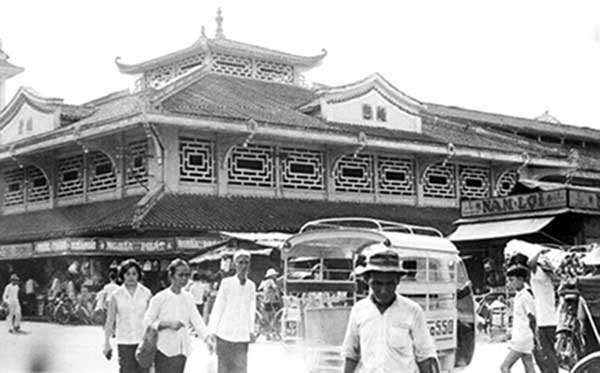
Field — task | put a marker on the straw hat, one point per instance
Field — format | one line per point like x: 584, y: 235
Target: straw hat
x: 382, y: 261
x: 271, y: 273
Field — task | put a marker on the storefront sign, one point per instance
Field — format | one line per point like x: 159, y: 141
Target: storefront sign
x: 136, y: 245
x: 197, y: 243
x: 513, y: 204
x: 584, y: 200
x: 64, y: 245
x: 16, y: 251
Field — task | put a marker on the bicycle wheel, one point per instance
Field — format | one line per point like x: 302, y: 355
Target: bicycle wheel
x: 589, y: 364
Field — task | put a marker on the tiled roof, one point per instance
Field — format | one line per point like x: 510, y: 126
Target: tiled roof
x: 82, y: 220
x: 226, y: 97
x: 478, y: 137
x: 75, y: 112
x: 516, y: 123
x: 251, y: 214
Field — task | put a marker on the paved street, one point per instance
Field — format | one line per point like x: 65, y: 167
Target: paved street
x: 76, y: 349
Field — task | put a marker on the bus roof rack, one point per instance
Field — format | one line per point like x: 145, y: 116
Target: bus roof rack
x: 369, y: 223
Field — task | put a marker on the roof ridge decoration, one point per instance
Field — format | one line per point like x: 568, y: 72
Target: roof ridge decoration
x: 358, y: 88
x: 219, y: 33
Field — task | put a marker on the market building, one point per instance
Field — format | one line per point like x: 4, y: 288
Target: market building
x: 225, y: 136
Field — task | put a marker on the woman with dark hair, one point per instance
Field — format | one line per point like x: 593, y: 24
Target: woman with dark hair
x: 170, y: 311
x: 126, y: 308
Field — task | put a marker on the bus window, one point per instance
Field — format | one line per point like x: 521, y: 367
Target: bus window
x: 416, y: 269
x: 438, y: 272
x: 420, y: 299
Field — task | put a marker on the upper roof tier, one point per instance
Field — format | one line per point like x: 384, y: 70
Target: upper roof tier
x: 224, y: 56
x: 222, y: 45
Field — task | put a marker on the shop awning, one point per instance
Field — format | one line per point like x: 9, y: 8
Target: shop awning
x: 499, y: 229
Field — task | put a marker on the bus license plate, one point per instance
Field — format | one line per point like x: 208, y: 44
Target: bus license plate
x: 441, y: 328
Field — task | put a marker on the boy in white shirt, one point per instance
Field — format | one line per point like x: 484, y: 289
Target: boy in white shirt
x: 11, y: 298
x: 523, y: 339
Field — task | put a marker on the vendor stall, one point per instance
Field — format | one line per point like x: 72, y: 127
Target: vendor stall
x: 566, y: 215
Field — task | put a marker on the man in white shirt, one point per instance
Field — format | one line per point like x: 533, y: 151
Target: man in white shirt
x: 232, y: 318
x: 546, y: 316
x: 11, y: 298
x: 386, y: 331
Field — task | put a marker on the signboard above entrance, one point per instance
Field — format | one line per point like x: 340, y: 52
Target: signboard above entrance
x: 514, y: 204
x: 580, y: 200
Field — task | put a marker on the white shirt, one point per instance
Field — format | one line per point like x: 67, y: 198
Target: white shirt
x: 130, y: 313
x: 390, y: 342
x: 108, y: 290
x: 198, y: 289
x: 168, y: 306
x: 543, y: 291
x: 522, y: 335
x: 30, y: 286
x: 232, y: 316
x: 11, y: 294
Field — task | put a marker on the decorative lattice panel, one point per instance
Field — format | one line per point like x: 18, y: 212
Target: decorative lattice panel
x: 273, y: 71
x: 137, y: 162
x: 196, y: 160
x: 251, y: 166
x: 354, y: 174
x: 474, y: 182
x: 396, y: 176
x: 438, y: 181
x: 231, y: 65
x: 160, y: 76
x: 38, y: 187
x: 14, y: 191
x: 506, y: 182
x: 302, y: 169
x: 101, y: 173
x: 70, y: 176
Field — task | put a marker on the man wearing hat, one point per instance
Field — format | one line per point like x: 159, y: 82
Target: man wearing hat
x: 11, y: 298
x: 231, y: 321
x: 387, y: 332
x: 523, y: 337
x: 271, y: 297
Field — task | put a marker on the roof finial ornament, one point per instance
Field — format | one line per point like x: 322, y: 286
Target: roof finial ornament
x: 219, y: 34
x: 203, y: 32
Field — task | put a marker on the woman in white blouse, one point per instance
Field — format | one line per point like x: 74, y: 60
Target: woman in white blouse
x: 170, y: 312
x: 126, y: 307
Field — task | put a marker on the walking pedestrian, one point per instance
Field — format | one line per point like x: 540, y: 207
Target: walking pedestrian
x: 387, y: 332
x: 30, y: 295
x: 546, y: 316
x: 11, y: 298
x: 231, y: 322
x: 523, y: 340
x: 198, y: 289
x: 126, y: 308
x: 169, y: 312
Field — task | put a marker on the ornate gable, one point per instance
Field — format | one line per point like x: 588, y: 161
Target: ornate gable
x: 371, y: 102
x: 28, y: 114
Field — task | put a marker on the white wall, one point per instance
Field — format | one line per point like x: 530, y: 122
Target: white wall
x: 41, y: 122
x: 351, y: 112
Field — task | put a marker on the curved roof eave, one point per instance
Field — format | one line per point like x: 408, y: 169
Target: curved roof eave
x: 222, y: 45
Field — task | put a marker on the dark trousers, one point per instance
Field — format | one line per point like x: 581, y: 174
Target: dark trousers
x: 127, y: 362
x: 232, y: 356
x: 545, y: 356
x: 169, y: 364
